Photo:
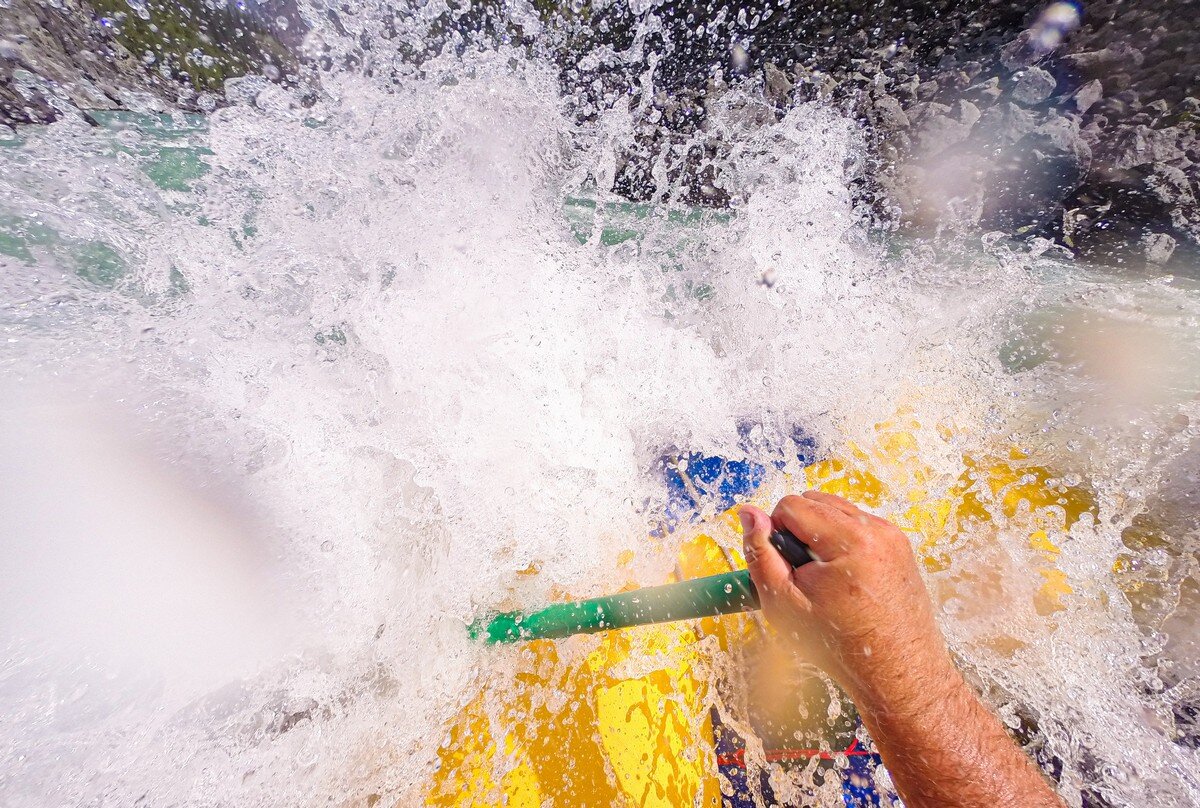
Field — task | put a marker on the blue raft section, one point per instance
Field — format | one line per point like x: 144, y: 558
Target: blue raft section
x: 695, y: 482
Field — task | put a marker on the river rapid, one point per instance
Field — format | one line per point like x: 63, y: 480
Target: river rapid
x: 293, y: 391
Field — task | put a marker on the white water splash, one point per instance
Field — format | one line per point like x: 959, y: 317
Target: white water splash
x: 372, y: 322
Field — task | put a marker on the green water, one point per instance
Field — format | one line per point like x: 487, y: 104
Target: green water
x: 173, y: 153
x: 170, y: 150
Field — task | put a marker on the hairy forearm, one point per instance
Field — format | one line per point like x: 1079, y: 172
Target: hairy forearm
x: 862, y: 613
x: 944, y: 747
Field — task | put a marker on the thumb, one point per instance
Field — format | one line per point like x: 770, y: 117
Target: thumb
x: 768, y: 569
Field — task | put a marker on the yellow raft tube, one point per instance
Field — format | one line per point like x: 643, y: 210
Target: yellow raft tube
x: 631, y: 723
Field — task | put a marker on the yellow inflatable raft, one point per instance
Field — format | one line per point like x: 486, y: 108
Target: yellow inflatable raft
x: 629, y: 720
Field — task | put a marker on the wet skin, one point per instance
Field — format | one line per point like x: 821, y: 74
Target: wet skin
x: 861, y: 612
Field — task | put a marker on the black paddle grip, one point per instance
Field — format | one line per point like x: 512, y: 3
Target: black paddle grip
x: 794, y: 551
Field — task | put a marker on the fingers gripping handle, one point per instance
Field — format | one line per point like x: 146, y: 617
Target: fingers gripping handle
x: 794, y: 551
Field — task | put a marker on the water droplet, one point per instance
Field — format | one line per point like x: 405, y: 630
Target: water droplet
x: 140, y: 8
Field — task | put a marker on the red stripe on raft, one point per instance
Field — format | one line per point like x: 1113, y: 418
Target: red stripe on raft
x: 738, y: 758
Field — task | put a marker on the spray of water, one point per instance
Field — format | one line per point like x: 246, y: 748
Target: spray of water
x: 397, y: 341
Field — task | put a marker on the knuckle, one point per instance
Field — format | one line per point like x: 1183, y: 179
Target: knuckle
x: 895, y: 541
x: 791, y: 501
x: 876, y: 539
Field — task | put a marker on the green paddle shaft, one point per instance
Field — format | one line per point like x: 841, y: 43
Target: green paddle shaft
x: 726, y: 593
x: 702, y: 597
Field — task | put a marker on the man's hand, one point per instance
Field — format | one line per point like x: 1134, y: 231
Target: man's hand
x: 861, y: 612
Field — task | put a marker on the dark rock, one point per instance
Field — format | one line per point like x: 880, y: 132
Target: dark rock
x: 778, y: 85
x: 1113, y: 108
x: 957, y: 80
x: 1087, y: 95
x: 1021, y: 52
x: 1093, y: 132
x: 56, y: 58
x: 1159, y: 107
x: 1118, y: 83
x: 1110, y: 217
x: 941, y: 131
x: 968, y: 113
x: 1035, y: 176
x: 1093, y: 64
x: 988, y: 92
x: 1153, y: 82
x: 1158, y: 248
x: 1006, y: 123
x: 1189, y: 144
x: 1179, y: 39
x: 1143, y: 145
x: 907, y: 90
x: 1131, y: 97
x: 1171, y: 187
x: 59, y: 58
x: 890, y: 114
x: 1033, y: 86
x: 933, y: 80
x: 927, y: 109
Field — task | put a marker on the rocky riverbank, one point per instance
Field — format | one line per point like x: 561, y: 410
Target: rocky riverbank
x: 55, y: 57
x: 1081, y: 128
x: 1073, y: 123
x: 83, y: 55
x: 1061, y: 121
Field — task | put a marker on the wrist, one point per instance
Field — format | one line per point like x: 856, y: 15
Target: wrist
x: 911, y: 685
